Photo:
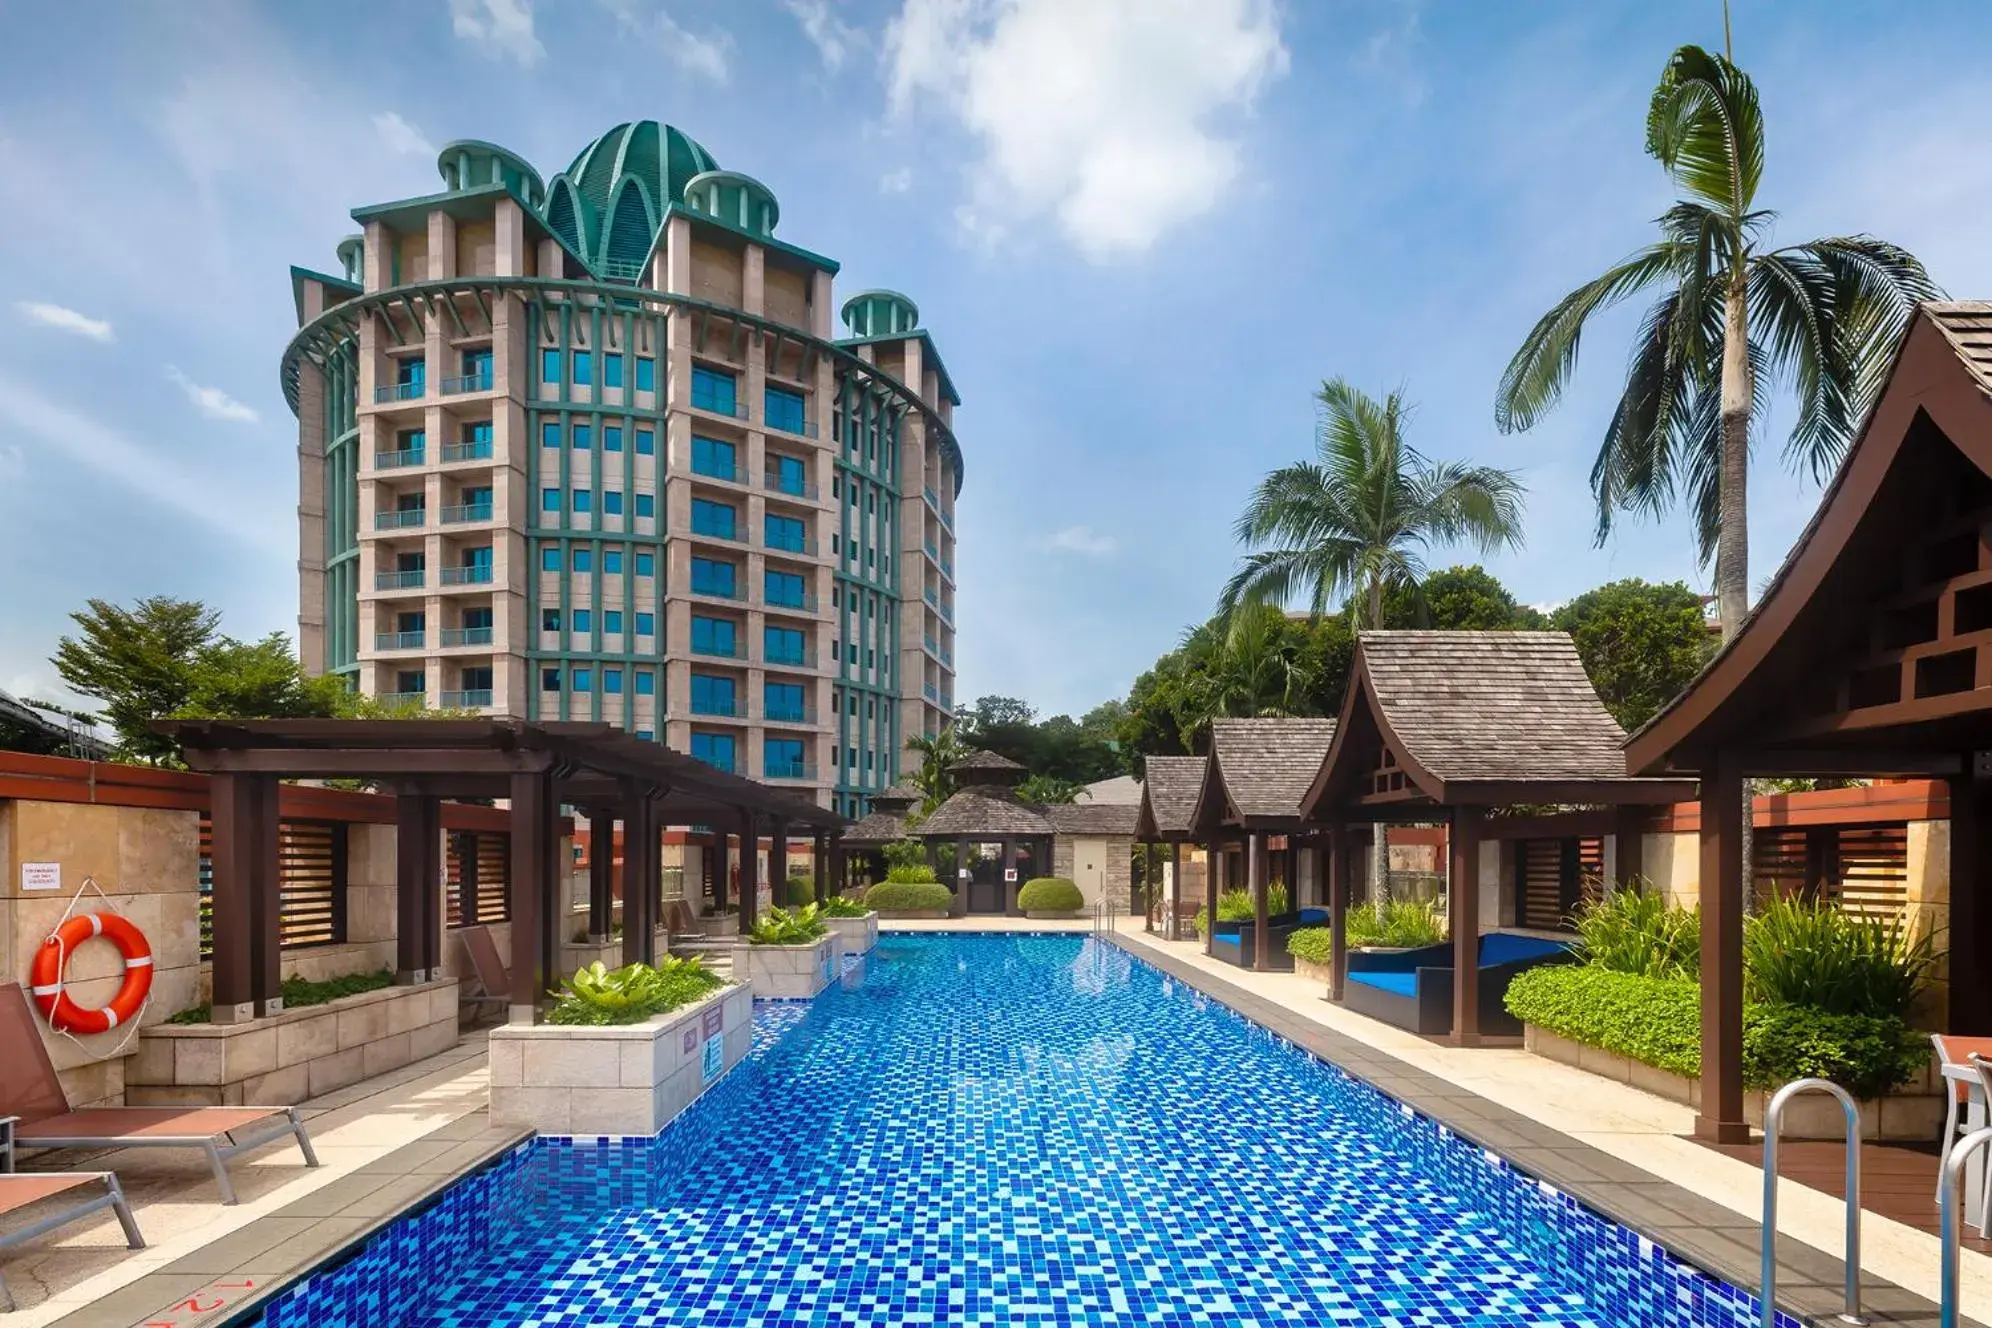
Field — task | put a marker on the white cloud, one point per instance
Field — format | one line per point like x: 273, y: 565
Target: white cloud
x: 896, y: 182
x: 402, y: 138
x: 66, y: 320
x: 1081, y: 540
x: 709, y: 56
x: 502, y: 29
x: 1105, y: 116
x: 13, y: 464
x: 833, y: 38
x: 212, y: 401
x: 142, y: 468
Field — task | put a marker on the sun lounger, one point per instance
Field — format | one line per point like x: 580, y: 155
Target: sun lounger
x: 31, y: 1091
x: 494, y: 980
x: 1413, y: 989
x: 84, y: 1192
x: 1238, y: 942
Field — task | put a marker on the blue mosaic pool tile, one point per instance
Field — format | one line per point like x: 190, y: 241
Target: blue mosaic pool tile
x: 1036, y: 1131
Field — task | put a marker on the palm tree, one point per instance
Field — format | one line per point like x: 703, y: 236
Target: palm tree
x: 1359, y: 516
x: 935, y: 777
x: 1826, y: 315
x: 1249, y: 667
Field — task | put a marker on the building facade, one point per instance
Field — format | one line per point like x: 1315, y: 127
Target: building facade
x: 592, y: 450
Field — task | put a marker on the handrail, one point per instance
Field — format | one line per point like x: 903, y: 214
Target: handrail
x: 1773, y: 1119
x: 1948, y: 1223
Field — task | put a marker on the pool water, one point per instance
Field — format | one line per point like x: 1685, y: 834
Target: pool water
x: 1016, y: 1130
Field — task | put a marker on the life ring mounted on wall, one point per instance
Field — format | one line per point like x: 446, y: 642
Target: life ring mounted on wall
x: 45, y: 977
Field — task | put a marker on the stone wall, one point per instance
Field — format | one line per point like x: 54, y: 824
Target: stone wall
x: 1102, y: 868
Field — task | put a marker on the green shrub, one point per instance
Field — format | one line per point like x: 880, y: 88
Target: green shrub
x: 1657, y: 1021
x: 918, y: 873
x: 910, y: 896
x: 1236, y: 905
x: 630, y: 994
x: 1811, y: 954
x: 302, y: 992
x: 1402, y: 924
x: 800, y: 890
x: 1632, y: 930
x: 1050, y: 894
x: 905, y: 853
x: 843, y: 906
x: 1309, y: 943
x: 781, y: 926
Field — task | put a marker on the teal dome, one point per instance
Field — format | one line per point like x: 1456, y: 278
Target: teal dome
x: 608, y: 204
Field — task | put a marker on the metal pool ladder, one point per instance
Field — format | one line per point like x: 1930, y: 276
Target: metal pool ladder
x: 1950, y: 1221
x: 1773, y: 1123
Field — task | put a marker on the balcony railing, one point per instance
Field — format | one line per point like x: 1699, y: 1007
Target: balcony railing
x: 464, y: 512
x: 402, y: 518
x: 947, y: 569
x: 407, y: 456
x: 474, y: 382
x: 802, y: 714
x: 726, y: 709
x: 931, y: 692
x: 707, y: 531
x: 947, y: 613
x: 774, y: 482
x: 412, y: 700
x: 466, y: 636
x: 468, y: 574
x: 726, y: 766
x: 927, y: 593
x: 401, y: 580
x: 474, y: 699
x: 802, y: 544
x: 801, y: 602
x: 400, y: 640
x: 933, y: 552
x: 706, y: 401
x: 712, y: 591
x: 622, y: 269
x: 717, y: 651
x: 399, y: 392
x: 719, y: 470
x: 803, y: 428
x: 933, y: 499
x: 788, y: 770
x: 479, y: 450
x: 787, y: 659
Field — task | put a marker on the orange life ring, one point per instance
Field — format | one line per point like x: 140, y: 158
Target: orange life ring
x: 45, y: 975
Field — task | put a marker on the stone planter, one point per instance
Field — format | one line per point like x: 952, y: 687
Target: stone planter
x: 859, y: 934
x: 1911, y: 1114
x: 631, y: 1079
x: 286, y: 1058
x: 1310, y: 970
x: 720, y: 924
x: 576, y: 955
x: 790, y: 972
x: 900, y: 913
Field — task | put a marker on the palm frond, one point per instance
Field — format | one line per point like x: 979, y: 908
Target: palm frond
x: 1794, y: 318
x: 1634, y: 470
x: 1705, y: 126
x: 1878, y: 285
x: 1535, y: 378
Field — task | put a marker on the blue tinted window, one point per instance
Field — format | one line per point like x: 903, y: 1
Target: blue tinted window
x: 646, y: 442
x: 786, y: 474
x: 785, y: 589
x: 781, y: 758
x: 549, y: 500
x: 584, y: 501
x: 612, y: 377
x: 712, y: 695
x: 646, y: 504
x: 612, y: 502
x: 612, y: 560
x: 782, y: 645
x: 583, y: 620
x: 584, y: 437
x: 584, y: 680
x: 584, y: 368
x: 710, y: 456
x: 710, y: 518
x: 781, y: 532
x: 549, y: 366
x: 715, y: 749
x: 646, y: 564
x: 612, y: 681
x: 646, y: 683
x: 646, y: 624
x: 584, y: 560
x: 550, y: 559
x: 646, y: 375
x: 612, y: 622
x: 550, y: 434
x: 550, y: 680
x: 785, y: 410
x: 612, y: 438
x: 712, y: 577
x: 713, y: 636
x: 783, y: 700
x: 713, y: 391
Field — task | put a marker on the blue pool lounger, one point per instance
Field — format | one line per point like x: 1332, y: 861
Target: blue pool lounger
x: 1413, y: 989
x: 1237, y: 942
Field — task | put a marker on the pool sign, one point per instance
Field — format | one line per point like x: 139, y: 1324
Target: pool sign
x: 714, y: 1058
x: 1009, y: 876
x: 715, y: 1020
x: 691, y: 1039
x: 41, y: 876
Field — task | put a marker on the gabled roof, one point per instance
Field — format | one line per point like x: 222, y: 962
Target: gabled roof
x: 1862, y: 656
x: 1487, y: 718
x: 983, y: 812
x: 1260, y: 769
x: 1100, y: 820
x: 1169, y: 792
x: 878, y: 828
x: 985, y: 760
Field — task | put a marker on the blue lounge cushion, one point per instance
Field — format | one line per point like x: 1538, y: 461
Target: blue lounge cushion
x: 1400, y: 984
x: 1502, y: 948
x: 1314, y: 917
x: 1225, y: 938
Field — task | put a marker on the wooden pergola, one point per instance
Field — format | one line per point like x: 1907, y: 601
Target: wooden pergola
x: 1255, y: 784
x: 1169, y: 789
x: 1448, y: 725
x: 1870, y: 655
x: 607, y: 774
x: 884, y: 824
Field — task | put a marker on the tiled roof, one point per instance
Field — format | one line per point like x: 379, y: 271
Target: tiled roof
x: 1268, y: 765
x: 981, y: 760
x: 1170, y: 792
x: 1122, y: 790
x: 880, y: 827
x: 1492, y: 705
x: 1967, y: 325
x: 898, y: 797
x: 1111, y: 820
x: 977, y: 811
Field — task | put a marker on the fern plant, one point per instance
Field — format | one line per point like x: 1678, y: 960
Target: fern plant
x: 842, y: 906
x: 782, y: 926
x: 1800, y: 953
x: 598, y: 995
x: 1633, y: 930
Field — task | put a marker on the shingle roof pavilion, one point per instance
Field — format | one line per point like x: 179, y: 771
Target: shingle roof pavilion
x: 1169, y: 790
x: 1259, y: 770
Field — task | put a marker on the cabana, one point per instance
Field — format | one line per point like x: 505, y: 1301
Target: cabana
x: 1254, y: 784
x: 885, y: 823
x: 1448, y: 726
x: 536, y: 767
x: 1167, y: 815
x: 998, y: 842
x: 1870, y: 655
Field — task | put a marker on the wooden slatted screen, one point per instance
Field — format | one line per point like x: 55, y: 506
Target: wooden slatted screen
x: 1540, y: 878
x: 453, y: 874
x: 312, y: 860
x: 1873, y: 876
x: 485, y: 897
x: 1590, y: 871
x: 1778, y: 861
x: 207, y: 888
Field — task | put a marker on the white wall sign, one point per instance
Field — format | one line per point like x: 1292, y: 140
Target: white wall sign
x: 41, y: 876
x: 962, y: 873
x: 1010, y: 875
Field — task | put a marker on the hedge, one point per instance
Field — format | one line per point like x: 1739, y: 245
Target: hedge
x: 801, y: 890
x: 918, y: 873
x: 909, y: 896
x: 1309, y: 943
x: 1050, y: 894
x: 1657, y: 1021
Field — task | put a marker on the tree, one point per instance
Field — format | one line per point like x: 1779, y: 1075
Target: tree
x: 1357, y: 519
x: 1641, y: 644
x: 1044, y: 790
x: 1458, y: 599
x: 140, y: 663
x: 938, y: 756
x: 989, y: 712
x: 1823, y: 316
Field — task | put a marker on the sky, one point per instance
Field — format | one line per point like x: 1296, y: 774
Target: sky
x: 1141, y: 232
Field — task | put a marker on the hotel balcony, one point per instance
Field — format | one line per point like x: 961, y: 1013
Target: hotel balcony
x: 471, y: 700
x: 474, y: 451
x: 475, y: 574
x: 402, y: 580
x: 465, y: 513
x: 466, y: 636
x: 401, y: 460
x: 400, y: 640
x: 409, y: 518
x: 479, y: 382
x: 399, y: 392
x: 803, y: 770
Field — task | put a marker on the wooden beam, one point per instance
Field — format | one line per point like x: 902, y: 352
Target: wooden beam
x: 1463, y: 912
x: 1853, y: 762
x: 367, y: 762
x: 534, y: 815
x: 1338, y: 910
x: 1968, y: 1008
x: 1580, y: 792
x: 1720, y: 1119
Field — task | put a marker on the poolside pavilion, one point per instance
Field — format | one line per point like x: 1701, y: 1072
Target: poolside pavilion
x: 865, y: 842
x: 1869, y: 655
x: 997, y: 841
x: 537, y: 767
x: 1167, y: 815
x: 1454, y: 726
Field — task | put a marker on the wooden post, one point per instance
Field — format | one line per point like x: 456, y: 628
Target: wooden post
x: 719, y: 871
x: 1463, y: 908
x: 778, y: 864
x: 642, y: 886
x: 1628, y: 844
x: 242, y: 872
x: 266, y: 938
x: 1255, y: 875
x: 958, y: 884
x: 534, y: 815
x: 1148, y: 887
x: 1968, y: 1000
x: 602, y: 876
x: 750, y: 870
x: 1338, y: 909
x: 1720, y: 1119
x: 819, y: 858
x: 1213, y: 869
x: 1009, y: 863
x: 417, y: 842
x: 1172, y: 927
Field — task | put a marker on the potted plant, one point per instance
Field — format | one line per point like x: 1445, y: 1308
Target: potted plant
x: 1050, y: 897
x: 623, y: 1050
x: 854, y: 920
x: 791, y: 954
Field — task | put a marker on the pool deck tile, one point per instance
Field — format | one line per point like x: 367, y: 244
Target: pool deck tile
x: 1641, y: 1183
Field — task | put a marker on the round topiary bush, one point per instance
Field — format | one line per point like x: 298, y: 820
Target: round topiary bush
x: 801, y: 890
x: 910, y: 897
x: 1052, y: 896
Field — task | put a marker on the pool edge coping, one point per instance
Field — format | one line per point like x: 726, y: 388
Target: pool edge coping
x: 1708, y: 1236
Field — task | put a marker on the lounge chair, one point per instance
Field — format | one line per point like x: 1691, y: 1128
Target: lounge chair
x: 494, y: 980
x: 1237, y: 942
x: 18, y: 1191
x: 31, y: 1091
x: 681, y: 925
x: 1413, y: 989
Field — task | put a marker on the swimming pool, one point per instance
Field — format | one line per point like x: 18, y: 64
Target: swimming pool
x: 1029, y: 1130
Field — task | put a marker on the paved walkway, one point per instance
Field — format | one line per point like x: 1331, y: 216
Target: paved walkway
x: 173, y: 1195
x: 986, y: 922
x: 1648, y: 1132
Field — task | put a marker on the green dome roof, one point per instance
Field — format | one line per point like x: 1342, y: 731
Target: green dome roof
x: 608, y: 203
